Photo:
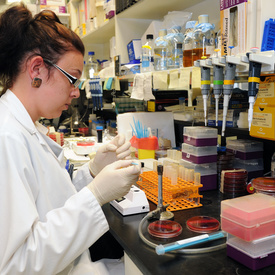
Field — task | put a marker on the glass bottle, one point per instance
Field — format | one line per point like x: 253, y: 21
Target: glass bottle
x: 147, y: 57
x: 160, y: 51
x: 174, y: 37
x: 188, y: 44
x: 92, y: 66
x: 203, y: 38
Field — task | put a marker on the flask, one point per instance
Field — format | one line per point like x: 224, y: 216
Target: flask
x: 147, y: 57
x: 203, y: 38
x: 174, y: 37
x: 160, y: 51
x: 188, y: 44
x: 177, y: 58
x: 92, y: 66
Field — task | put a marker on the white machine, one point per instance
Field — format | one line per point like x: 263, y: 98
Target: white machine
x: 133, y: 203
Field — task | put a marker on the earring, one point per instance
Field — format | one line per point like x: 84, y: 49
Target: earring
x: 36, y: 82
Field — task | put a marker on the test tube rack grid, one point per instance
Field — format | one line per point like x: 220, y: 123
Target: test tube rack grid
x: 183, y: 195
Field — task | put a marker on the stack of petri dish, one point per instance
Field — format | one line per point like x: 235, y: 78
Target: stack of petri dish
x: 234, y: 182
x: 264, y: 185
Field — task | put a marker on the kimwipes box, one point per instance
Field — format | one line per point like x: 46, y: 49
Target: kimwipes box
x: 233, y: 20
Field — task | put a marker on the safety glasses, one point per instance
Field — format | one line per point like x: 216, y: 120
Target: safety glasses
x: 73, y: 80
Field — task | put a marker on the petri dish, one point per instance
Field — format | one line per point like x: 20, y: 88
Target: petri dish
x: 265, y: 185
x: 203, y: 224
x: 164, y: 229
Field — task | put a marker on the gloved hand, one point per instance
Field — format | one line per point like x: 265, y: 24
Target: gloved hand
x: 115, y: 180
x: 116, y: 149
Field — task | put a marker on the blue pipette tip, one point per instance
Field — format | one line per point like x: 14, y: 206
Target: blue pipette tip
x: 134, y: 163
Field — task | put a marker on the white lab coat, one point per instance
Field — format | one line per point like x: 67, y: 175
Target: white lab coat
x: 46, y: 226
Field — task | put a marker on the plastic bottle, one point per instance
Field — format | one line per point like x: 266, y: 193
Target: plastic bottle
x: 160, y: 51
x: 147, y: 58
x: 188, y: 44
x: 92, y: 66
x: 203, y: 38
x: 174, y: 37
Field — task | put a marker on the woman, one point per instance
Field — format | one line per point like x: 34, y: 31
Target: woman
x: 46, y: 225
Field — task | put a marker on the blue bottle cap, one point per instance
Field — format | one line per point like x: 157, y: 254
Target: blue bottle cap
x: 99, y: 127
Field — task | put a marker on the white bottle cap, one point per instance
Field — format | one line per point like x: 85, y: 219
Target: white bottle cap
x: 204, y: 18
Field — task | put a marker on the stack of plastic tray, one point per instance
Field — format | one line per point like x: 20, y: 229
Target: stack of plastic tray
x: 248, y: 156
x: 199, y: 152
x: 251, y: 221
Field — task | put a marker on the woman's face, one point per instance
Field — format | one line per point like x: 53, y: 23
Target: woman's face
x: 58, y: 92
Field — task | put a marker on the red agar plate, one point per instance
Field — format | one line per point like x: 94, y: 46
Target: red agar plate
x: 203, y: 224
x: 164, y: 229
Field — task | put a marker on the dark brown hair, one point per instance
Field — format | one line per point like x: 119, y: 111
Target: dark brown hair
x: 23, y: 36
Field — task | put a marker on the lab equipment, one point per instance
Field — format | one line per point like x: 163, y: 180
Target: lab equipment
x: 253, y: 85
x: 160, y: 51
x: 264, y: 185
x: 147, y: 57
x: 229, y: 79
x: 132, y: 203
x: 203, y: 38
x: 205, y: 89
x: 99, y: 131
x: 256, y: 254
x: 162, y: 249
x: 249, y: 217
x: 175, y: 39
x: 91, y: 66
x: 203, y: 224
x: 164, y: 229
x: 188, y: 44
x: 218, y: 78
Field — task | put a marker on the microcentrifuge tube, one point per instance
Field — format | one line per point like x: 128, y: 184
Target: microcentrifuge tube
x: 197, y: 178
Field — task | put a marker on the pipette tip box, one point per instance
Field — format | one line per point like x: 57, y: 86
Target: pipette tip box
x: 200, y: 136
x: 249, y: 217
x: 255, y: 254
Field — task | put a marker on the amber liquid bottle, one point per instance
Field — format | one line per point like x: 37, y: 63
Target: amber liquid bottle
x: 188, y: 44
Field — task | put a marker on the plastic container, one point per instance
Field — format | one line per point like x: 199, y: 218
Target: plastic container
x: 160, y: 51
x: 147, y: 55
x: 99, y: 130
x: 245, y: 149
x: 188, y: 44
x: 175, y: 38
x: 205, y: 154
x: 249, y: 217
x: 84, y: 147
x: 200, y: 136
x: 208, y: 173
x: 254, y: 167
x: 203, y: 38
x: 91, y: 66
x: 264, y: 185
x: 255, y: 254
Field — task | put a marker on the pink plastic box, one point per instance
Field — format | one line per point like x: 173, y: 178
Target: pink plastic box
x: 249, y: 217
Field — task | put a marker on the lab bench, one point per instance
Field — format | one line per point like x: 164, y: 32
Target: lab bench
x: 144, y: 257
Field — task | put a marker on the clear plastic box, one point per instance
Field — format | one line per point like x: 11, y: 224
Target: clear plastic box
x: 249, y: 217
x: 255, y: 254
x: 205, y: 154
x: 200, y: 136
x: 245, y: 149
x: 208, y: 172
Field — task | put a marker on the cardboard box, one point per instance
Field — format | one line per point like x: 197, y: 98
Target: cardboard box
x: 134, y: 50
x: 233, y: 20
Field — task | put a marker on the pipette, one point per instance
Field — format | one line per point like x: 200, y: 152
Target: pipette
x: 217, y: 87
x: 205, y: 89
x: 229, y: 79
x: 162, y: 249
x: 253, y: 84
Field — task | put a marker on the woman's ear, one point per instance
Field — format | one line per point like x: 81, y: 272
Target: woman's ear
x: 35, y: 68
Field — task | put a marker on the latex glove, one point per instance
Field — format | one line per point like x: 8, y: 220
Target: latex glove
x: 115, y: 180
x: 116, y: 149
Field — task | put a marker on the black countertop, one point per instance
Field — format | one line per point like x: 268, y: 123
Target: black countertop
x: 125, y: 230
